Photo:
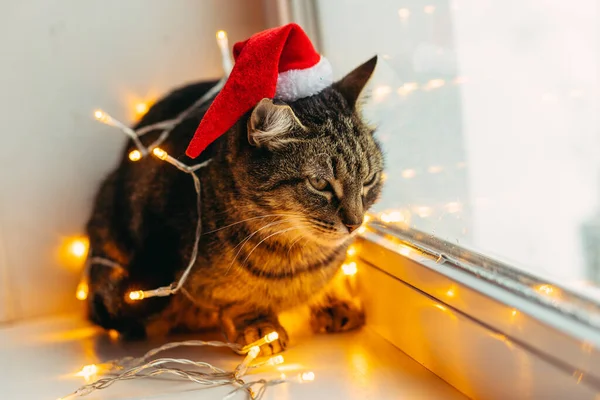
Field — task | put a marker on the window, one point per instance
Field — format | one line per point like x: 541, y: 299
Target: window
x: 488, y: 114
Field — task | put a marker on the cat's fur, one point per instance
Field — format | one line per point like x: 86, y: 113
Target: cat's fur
x: 270, y: 241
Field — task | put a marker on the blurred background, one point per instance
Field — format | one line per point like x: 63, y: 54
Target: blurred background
x: 487, y: 110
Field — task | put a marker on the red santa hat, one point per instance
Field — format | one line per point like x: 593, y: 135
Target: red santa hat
x: 277, y: 63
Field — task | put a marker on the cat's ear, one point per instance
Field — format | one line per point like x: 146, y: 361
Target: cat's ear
x: 352, y: 85
x: 270, y: 125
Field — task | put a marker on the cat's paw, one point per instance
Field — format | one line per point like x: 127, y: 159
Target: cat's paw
x: 337, y: 316
x: 258, y: 329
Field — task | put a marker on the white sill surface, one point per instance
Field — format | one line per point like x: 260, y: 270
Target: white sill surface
x: 38, y: 360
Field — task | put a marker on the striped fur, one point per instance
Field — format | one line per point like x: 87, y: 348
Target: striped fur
x: 270, y: 242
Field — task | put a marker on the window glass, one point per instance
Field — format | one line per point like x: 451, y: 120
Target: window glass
x: 488, y: 112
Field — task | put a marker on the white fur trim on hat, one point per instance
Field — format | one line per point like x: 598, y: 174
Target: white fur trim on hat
x: 299, y: 83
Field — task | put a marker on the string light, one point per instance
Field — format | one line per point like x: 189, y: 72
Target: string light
x: 136, y: 295
x: 105, y: 118
x: 160, y: 153
x: 404, y: 13
x: 113, y: 334
x: 381, y: 92
x: 209, y: 375
x: 141, y: 108
x: 349, y: 269
x: 392, y: 217
x: 408, y: 173
x: 404, y: 250
x: 423, y: 211
x: 82, y: 291
x: 163, y: 155
x: 223, y: 44
x: 434, y: 84
x: 78, y: 247
x: 351, y: 251
x: 435, y: 169
x: 88, y: 371
x: 453, y: 207
x: 269, y: 338
x: 135, y: 155
x: 460, y: 80
x: 307, y: 376
x: 429, y: 9
x: 407, y: 88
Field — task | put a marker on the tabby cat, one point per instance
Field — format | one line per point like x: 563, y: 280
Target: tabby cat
x: 280, y: 201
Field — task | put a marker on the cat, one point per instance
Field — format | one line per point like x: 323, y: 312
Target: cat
x: 281, y: 199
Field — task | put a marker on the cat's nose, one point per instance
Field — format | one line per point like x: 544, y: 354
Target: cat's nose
x: 352, y: 227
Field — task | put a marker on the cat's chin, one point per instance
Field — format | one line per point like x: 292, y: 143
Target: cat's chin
x: 330, y: 240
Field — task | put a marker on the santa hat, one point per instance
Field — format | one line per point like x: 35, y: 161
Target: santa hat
x: 277, y: 63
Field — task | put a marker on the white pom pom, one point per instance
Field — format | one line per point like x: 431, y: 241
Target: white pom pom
x: 299, y: 83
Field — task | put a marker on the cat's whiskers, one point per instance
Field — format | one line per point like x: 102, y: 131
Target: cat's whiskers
x: 250, y: 219
x: 271, y: 235
x: 302, y: 236
x: 247, y: 239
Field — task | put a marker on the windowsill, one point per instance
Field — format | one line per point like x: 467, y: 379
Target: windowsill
x: 39, y: 360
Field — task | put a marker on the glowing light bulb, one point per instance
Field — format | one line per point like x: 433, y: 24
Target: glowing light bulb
x: 429, y: 9
x: 407, y: 88
x: 434, y: 84
x: 78, y: 247
x: 88, y: 371
x: 408, y: 173
x: 350, y: 268
x: 136, y: 295
x: 404, y: 13
x: 453, y: 207
x: 221, y: 35
x: 423, y: 211
x: 141, y: 108
x: 271, y: 337
x: 103, y: 117
x: 546, y: 289
x: 392, y: 217
x: 307, y: 376
x: 253, y: 353
x: 435, y: 169
x: 135, y: 155
x: 82, y: 291
x: 160, y: 153
x: 275, y: 360
x: 351, y: 251
x: 381, y: 92
x: 404, y: 250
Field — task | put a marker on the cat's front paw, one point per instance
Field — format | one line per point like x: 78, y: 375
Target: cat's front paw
x: 337, y: 316
x: 257, y: 330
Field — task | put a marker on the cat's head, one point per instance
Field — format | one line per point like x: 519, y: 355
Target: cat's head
x: 314, y: 162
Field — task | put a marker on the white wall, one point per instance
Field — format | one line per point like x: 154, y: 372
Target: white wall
x: 61, y: 59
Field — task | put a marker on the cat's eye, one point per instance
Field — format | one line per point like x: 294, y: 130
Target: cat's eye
x: 371, y: 180
x: 318, y: 183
